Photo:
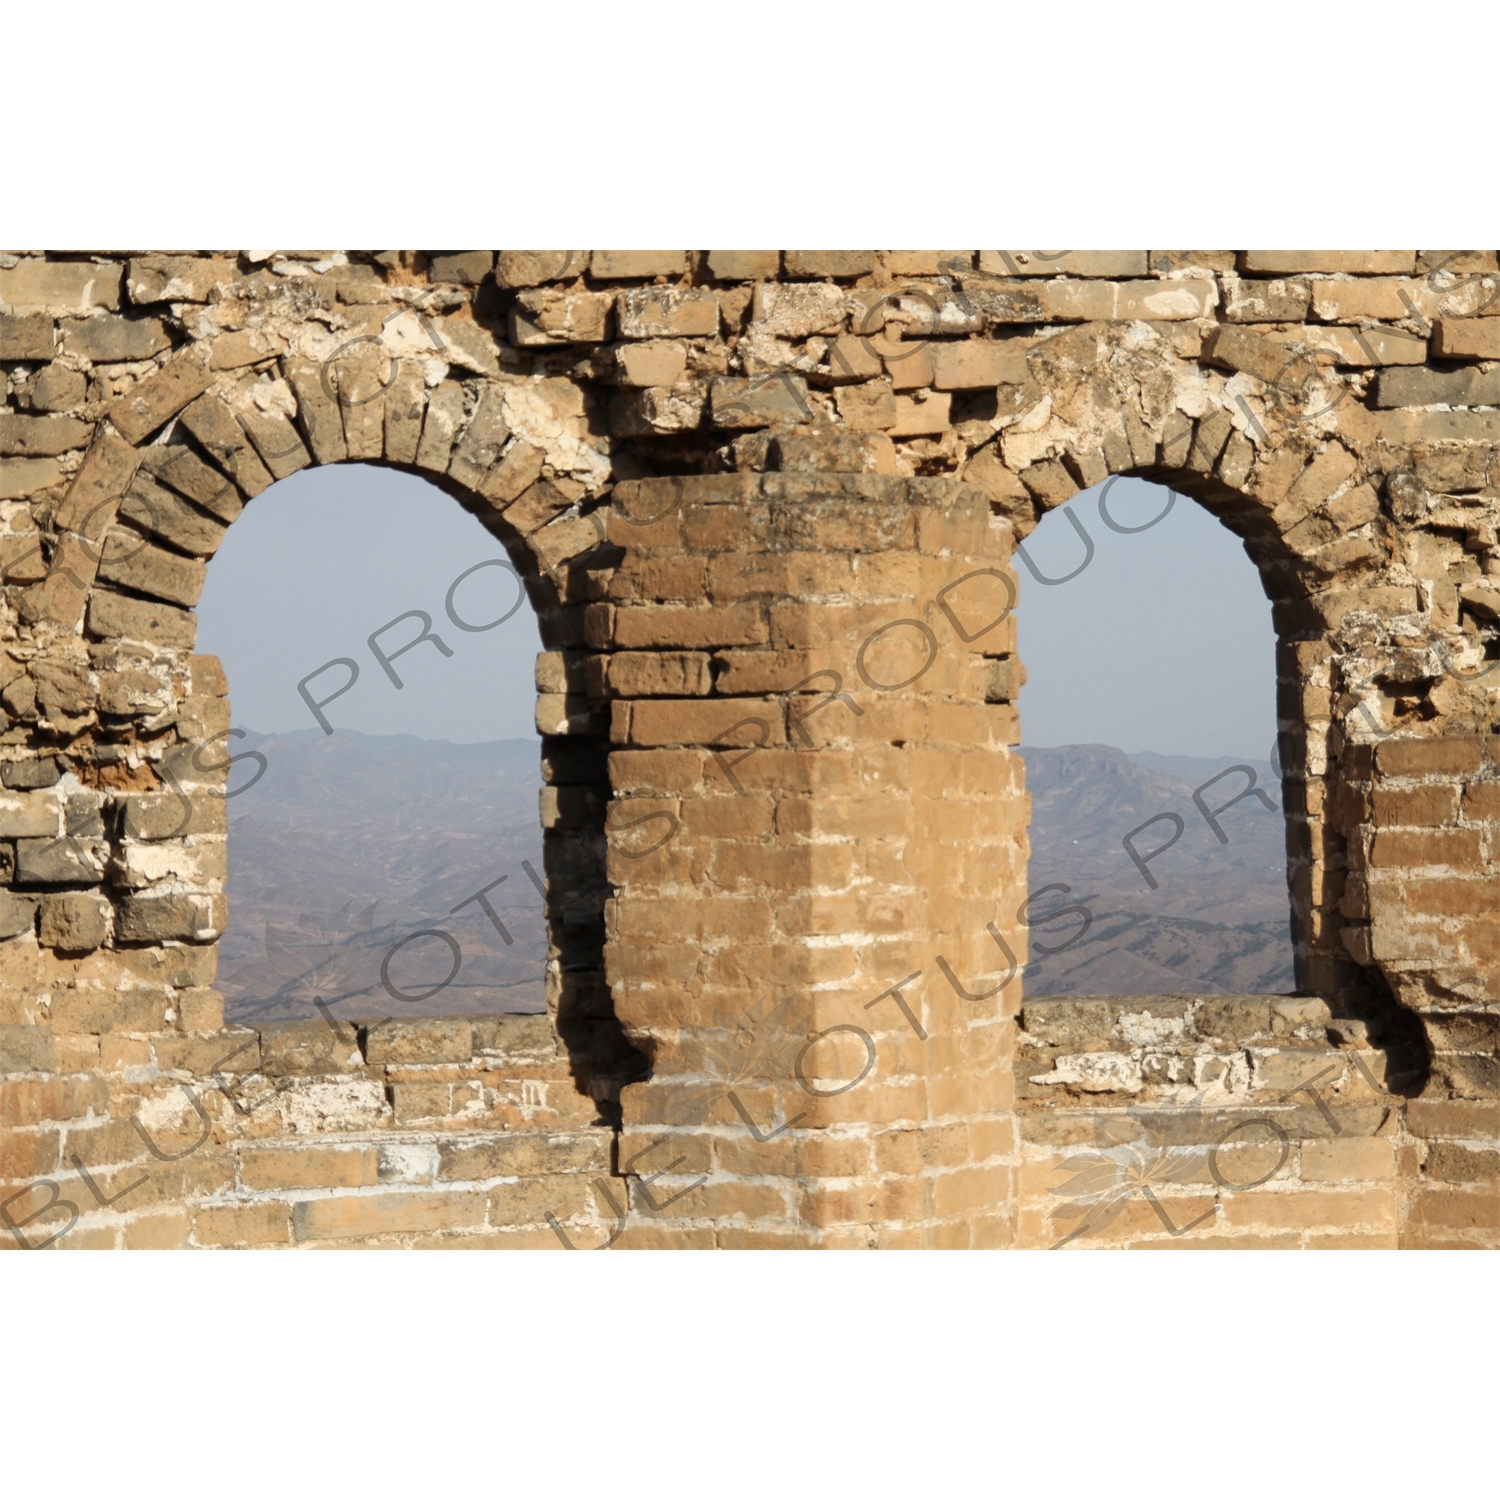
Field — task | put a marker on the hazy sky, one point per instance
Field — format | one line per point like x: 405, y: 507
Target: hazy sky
x: 319, y: 562
x: 1162, y: 643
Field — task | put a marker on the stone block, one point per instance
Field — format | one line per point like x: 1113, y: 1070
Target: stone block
x: 977, y: 364
x: 71, y: 860
x: 29, y: 336
x: 60, y: 287
x: 672, y: 408
x: 27, y: 1049
x: 107, y: 340
x: 1266, y: 301
x: 548, y: 316
x: 656, y: 363
x: 57, y: 388
x: 832, y: 452
x: 279, y: 444
x: 75, y: 922
x: 269, y: 1169
x: 798, y: 311
x: 42, y: 436
x: 177, y: 278
x: 133, y: 563
x: 1329, y: 262
x: 743, y: 265
x: 300, y: 1048
x: 250, y: 346
x: 478, y: 450
x: 623, y: 265
x: 374, y: 1215
x: 180, y: 467
x: 17, y: 914
x: 1423, y: 387
x: 114, y: 616
x: 20, y: 478
x: 439, y: 1040
x: 1466, y: 338
x: 212, y: 423
x: 148, y: 405
x: 1448, y: 755
x: 829, y: 262
x: 1086, y: 263
x: 522, y: 268
x: 868, y: 408
x: 183, y: 918
x: 667, y: 312
x: 462, y: 267
x: 161, y: 513
x: 916, y: 417
x: 739, y: 403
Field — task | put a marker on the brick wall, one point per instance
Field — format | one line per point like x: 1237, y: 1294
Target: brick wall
x: 727, y: 477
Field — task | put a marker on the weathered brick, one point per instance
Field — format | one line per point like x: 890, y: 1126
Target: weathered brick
x: 1330, y: 262
x: 368, y: 1215
x: 667, y: 312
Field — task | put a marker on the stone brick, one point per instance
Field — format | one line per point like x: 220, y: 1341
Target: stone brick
x: 519, y: 268
x: 738, y: 403
x: 277, y: 1168
x: 743, y: 265
x: 21, y: 478
x: 176, y: 278
x: 547, y: 316
x: 44, y: 436
x: 480, y: 447
x: 226, y: 442
x: 187, y: 919
x: 466, y: 267
x: 425, y: 1041
x: 606, y: 265
x: 161, y: 513
x: 667, y: 312
x: 27, y: 337
x: 112, y: 340
x: 1329, y: 262
x: 60, y: 287
x: 114, y: 616
x: 248, y: 1224
x: 1458, y: 847
x: 917, y: 418
x: 1424, y: 387
x: 1421, y: 807
x: 797, y: 311
x: 648, y: 364
x: 27, y: 1049
x: 1266, y: 301
x: 75, y: 922
x: 1362, y: 1159
x: 1088, y: 263
x: 132, y: 562
x: 832, y: 452
x: 828, y: 262
x: 149, y: 404
x: 975, y: 365
x: 1451, y: 755
x: 1466, y: 338
x: 372, y: 1215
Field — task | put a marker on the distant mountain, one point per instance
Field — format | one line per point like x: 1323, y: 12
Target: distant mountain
x: 1219, y: 919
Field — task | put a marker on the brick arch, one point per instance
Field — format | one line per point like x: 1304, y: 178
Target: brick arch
x: 720, y: 472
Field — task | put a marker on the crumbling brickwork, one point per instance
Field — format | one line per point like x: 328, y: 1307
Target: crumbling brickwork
x: 764, y: 504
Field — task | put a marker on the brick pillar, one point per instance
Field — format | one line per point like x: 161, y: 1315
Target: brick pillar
x: 1424, y: 876
x: 817, y: 844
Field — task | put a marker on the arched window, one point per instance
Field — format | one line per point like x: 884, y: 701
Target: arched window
x: 385, y: 852
x: 1149, y: 725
